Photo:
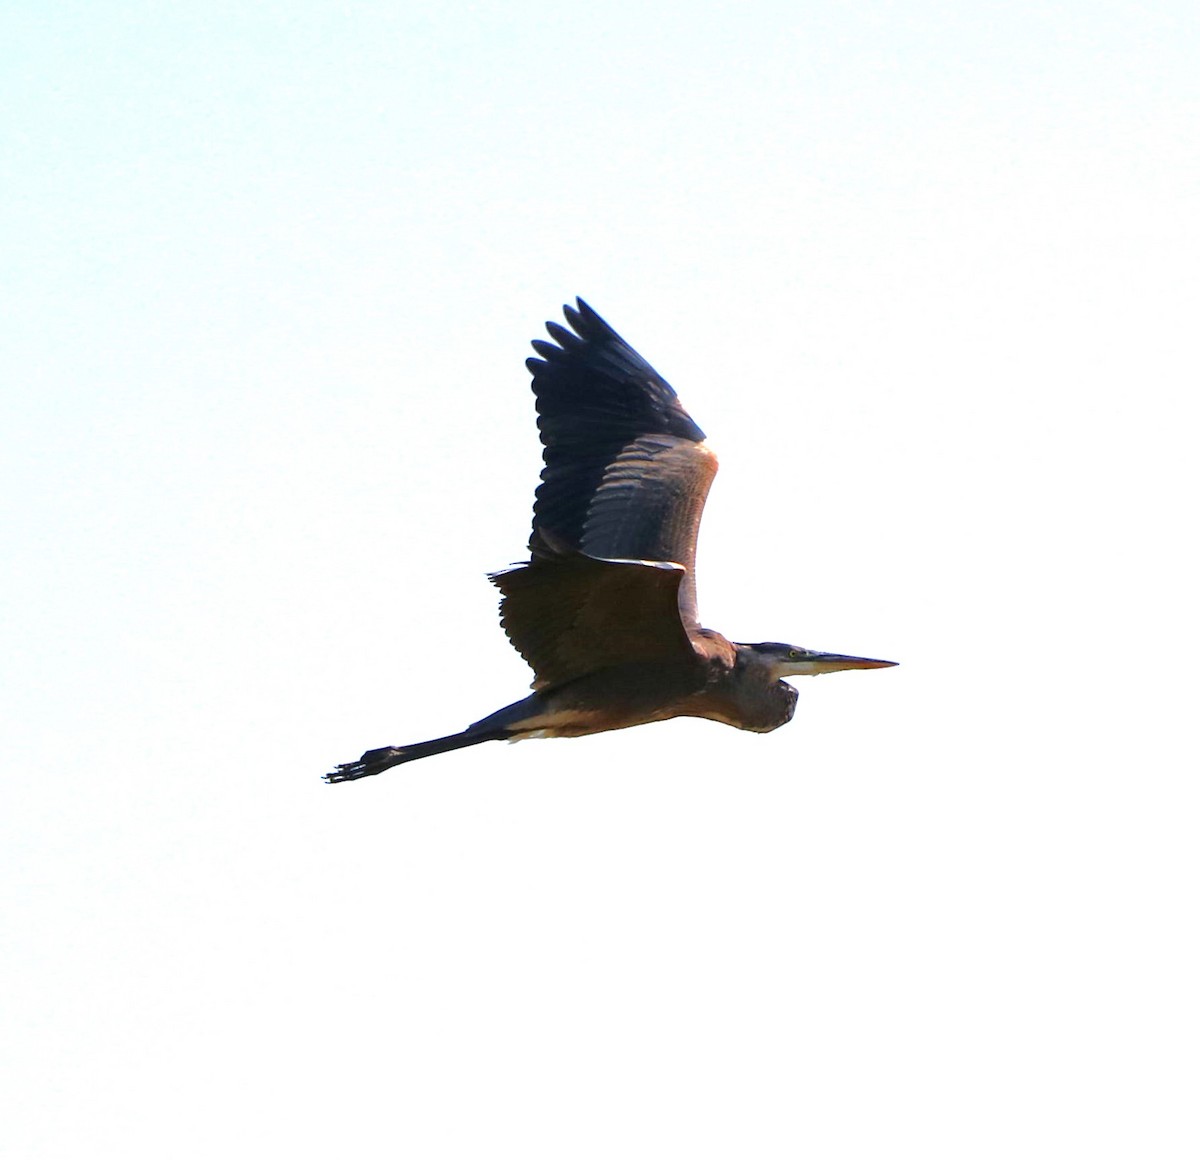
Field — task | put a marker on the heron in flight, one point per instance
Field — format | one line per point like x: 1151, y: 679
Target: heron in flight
x: 605, y: 609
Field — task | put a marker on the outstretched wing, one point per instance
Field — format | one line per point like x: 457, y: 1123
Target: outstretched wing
x: 626, y: 469
x: 615, y: 519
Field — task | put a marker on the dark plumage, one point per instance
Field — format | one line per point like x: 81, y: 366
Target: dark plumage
x: 605, y: 609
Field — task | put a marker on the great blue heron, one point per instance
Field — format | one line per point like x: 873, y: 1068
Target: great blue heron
x: 605, y: 609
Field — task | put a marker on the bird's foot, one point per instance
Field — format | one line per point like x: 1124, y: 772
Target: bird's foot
x: 372, y: 762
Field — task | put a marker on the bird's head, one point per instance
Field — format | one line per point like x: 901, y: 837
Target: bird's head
x: 790, y: 660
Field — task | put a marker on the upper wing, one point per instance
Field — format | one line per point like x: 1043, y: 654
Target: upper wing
x: 626, y: 470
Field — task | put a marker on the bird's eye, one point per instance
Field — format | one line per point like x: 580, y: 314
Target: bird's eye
x: 793, y: 654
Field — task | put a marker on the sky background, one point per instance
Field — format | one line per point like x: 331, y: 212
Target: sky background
x: 926, y: 273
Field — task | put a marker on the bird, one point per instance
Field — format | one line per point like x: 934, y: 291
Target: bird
x: 604, y: 611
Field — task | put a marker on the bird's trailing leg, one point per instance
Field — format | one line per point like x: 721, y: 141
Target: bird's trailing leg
x: 504, y: 725
x: 377, y: 760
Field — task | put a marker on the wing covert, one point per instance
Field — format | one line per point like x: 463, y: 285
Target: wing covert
x: 570, y: 615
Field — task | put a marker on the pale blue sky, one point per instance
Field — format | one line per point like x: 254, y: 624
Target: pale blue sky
x: 927, y: 276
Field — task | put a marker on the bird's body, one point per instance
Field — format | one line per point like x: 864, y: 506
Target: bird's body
x: 605, y: 609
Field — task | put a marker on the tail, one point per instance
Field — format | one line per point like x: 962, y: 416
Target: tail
x: 377, y: 760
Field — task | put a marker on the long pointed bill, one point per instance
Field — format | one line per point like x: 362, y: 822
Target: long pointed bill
x: 814, y: 664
